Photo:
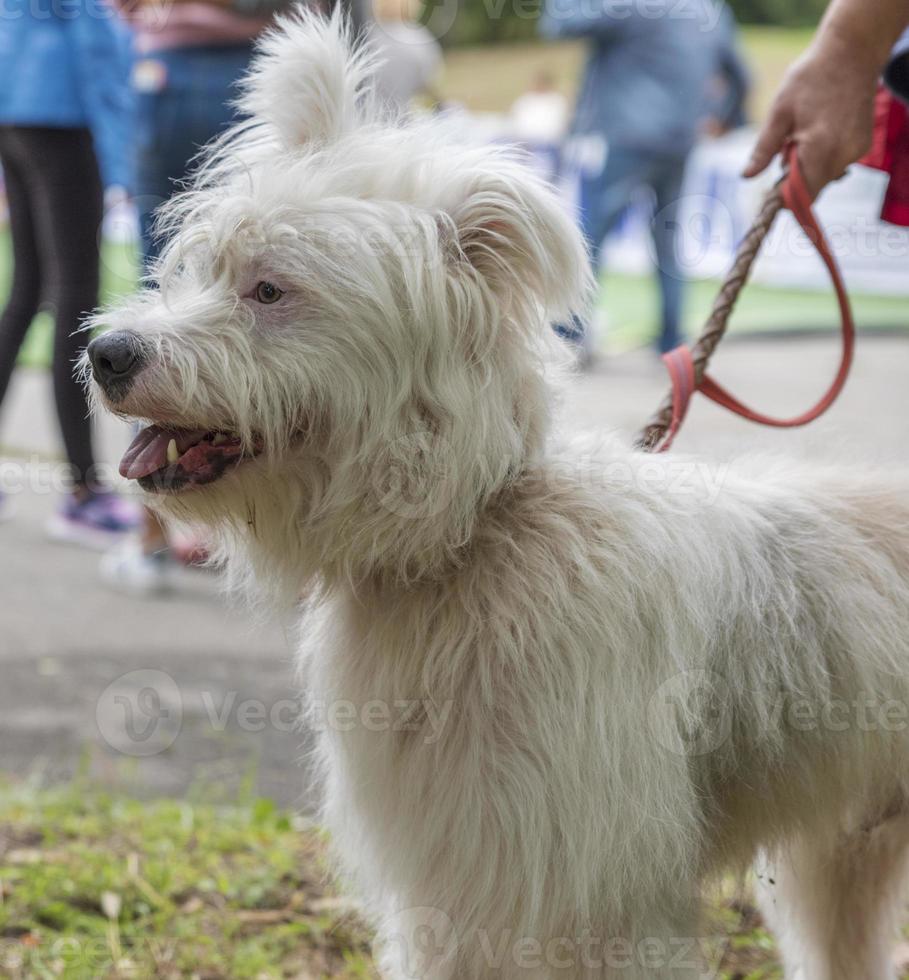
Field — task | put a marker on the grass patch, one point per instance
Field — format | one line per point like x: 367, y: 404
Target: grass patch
x: 631, y: 308
x: 96, y: 887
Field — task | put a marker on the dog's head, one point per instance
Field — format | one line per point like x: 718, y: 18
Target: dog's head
x: 350, y: 320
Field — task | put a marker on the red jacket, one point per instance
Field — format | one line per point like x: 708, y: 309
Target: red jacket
x: 890, y: 153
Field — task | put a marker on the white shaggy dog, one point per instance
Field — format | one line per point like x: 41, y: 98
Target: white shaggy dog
x: 610, y: 693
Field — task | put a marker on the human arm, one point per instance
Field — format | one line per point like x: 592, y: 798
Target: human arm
x: 102, y: 70
x: 728, y: 111
x: 826, y: 102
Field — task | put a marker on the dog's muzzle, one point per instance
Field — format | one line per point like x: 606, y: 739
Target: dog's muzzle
x: 116, y: 359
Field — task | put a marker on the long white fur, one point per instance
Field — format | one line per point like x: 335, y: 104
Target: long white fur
x: 565, y: 619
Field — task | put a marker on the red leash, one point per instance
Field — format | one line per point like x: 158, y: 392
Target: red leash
x: 680, y: 362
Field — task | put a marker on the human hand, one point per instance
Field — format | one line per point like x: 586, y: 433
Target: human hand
x: 826, y: 105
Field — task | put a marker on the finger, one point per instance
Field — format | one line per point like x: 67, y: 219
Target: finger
x: 774, y: 134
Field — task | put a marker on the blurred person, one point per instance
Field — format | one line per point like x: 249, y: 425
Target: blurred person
x: 409, y: 54
x: 826, y: 100
x: 188, y: 58
x: 538, y: 121
x: 728, y: 89
x: 897, y: 72
x: 644, y: 100
x: 63, y: 106
x: 541, y: 114
x: 890, y: 143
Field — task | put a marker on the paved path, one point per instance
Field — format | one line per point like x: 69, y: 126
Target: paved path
x: 74, y: 656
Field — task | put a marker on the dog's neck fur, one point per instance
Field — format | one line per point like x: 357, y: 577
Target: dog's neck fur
x: 388, y: 520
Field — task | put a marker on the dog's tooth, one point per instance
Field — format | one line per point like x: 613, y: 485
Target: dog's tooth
x: 173, y: 454
x: 219, y: 439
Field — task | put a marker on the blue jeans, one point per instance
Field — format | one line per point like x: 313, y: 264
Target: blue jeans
x: 605, y: 196
x: 182, y: 102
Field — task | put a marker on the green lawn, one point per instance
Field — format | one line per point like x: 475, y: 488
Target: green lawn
x: 95, y: 888
x: 632, y: 304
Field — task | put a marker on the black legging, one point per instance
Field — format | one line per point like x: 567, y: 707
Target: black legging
x: 56, y: 207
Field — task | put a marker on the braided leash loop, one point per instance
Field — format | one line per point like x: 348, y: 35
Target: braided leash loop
x: 688, y: 367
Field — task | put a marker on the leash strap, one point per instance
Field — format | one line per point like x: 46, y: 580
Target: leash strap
x: 680, y: 363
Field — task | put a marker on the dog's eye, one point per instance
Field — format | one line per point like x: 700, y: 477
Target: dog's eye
x: 268, y: 293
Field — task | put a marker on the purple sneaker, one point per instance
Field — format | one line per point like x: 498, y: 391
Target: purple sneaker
x: 96, y: 521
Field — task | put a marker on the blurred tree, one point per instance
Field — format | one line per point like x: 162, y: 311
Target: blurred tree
x: 786, y: 13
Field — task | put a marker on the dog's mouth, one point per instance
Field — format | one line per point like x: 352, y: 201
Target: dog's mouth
x: 167, y: 460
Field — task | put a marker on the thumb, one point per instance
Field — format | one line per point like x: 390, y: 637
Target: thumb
x: 771, y: 140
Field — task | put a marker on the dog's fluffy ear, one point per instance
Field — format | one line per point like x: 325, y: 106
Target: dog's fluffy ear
x: 308, y: 79
x: 517, y: 235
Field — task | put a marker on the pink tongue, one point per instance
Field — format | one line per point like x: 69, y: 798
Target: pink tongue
x: 148, y: 452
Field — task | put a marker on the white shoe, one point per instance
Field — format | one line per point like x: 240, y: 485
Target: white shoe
x: 131, y: 570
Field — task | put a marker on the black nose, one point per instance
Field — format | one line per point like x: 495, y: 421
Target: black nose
x: 116, y: 360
